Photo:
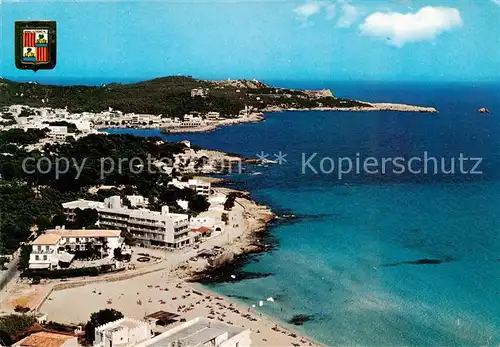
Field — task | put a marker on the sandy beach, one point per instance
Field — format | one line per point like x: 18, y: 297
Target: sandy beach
x: 162, y: 285
x: 142, y: 295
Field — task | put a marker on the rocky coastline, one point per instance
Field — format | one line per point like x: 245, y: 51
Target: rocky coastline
x: 225, y: 265
x: 370, y: 107
x: 259, y: 117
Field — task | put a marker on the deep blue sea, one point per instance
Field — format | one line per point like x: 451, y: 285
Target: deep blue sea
x: 351, y: 258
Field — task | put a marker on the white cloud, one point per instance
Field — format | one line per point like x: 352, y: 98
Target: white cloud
x: 399, y: 28
x: 308, y: 9
x: 348, y: 16
x: 496, y: 2
x: 348, y: 13
x: 331, y: 10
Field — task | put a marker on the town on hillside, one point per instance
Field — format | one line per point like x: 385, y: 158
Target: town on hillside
x: 65, y: 229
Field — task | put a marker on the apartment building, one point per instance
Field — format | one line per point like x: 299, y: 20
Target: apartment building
x: 213, y: 115
x: 138, y: 119
x: 148, y: 227
x: 189, y: 121
x: 200, y: 187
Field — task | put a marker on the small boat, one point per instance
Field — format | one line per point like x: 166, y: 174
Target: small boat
x: 483, y: 110
x: 269, y: 161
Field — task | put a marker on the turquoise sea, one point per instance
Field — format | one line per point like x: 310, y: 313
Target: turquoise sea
x: 350, y: 259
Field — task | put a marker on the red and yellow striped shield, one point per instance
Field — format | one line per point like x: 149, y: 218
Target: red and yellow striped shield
x: 35, y: 46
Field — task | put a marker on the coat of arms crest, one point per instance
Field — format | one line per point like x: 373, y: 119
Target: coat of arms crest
x: 35, y: 45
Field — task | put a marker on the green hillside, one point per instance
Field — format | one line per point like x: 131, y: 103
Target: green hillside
x: 169, y: 96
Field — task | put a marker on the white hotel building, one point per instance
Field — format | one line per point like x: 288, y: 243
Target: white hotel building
x: 200, y: 187
x: 48, y: 249
x: 124, y: 332
x: 148, y: 227
x: 198, y: 332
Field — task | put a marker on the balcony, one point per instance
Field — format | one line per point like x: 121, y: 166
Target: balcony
x: 180, y: 230
x: 43, y: 251
x: 145, y: 230
x: 114, y: 216
x: 187, y: 238
x: 147, y: 237
x: 144, y: 222
x: 112, y: 223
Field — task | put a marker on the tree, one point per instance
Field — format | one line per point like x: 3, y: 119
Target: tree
x: 117, y: 253
x: 13, y: 324
x: 3, y: 261
x: 99, y: 318
x: 43, y: 222
x: 128, y: 238
x: 104, y: 242
x: 224, y: 217
x: 59, y: 220
x: 126, y: 201
x: 24, y: 257
x: 85, y: 218
x: 93, y: 249
x: 21, y: 309
x: 5, y: 338
x: 231, y: 198
x: 198, y: 203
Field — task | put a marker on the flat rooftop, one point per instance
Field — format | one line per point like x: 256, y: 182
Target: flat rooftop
x: 196, y: 334
x: 135, y: 213
x: 148, y: 214
x: 47, y: 239
x: 83, y: 204
x: 84, y: 232
x: 120, y: 324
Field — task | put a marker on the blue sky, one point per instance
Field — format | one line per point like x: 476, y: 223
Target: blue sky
x: 419, y: 40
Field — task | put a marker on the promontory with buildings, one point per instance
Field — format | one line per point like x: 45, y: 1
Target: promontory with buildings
x: 121, y: 246
x: 175, y: 104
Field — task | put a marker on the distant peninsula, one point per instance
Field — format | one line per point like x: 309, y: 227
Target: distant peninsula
x: 176, y: 96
